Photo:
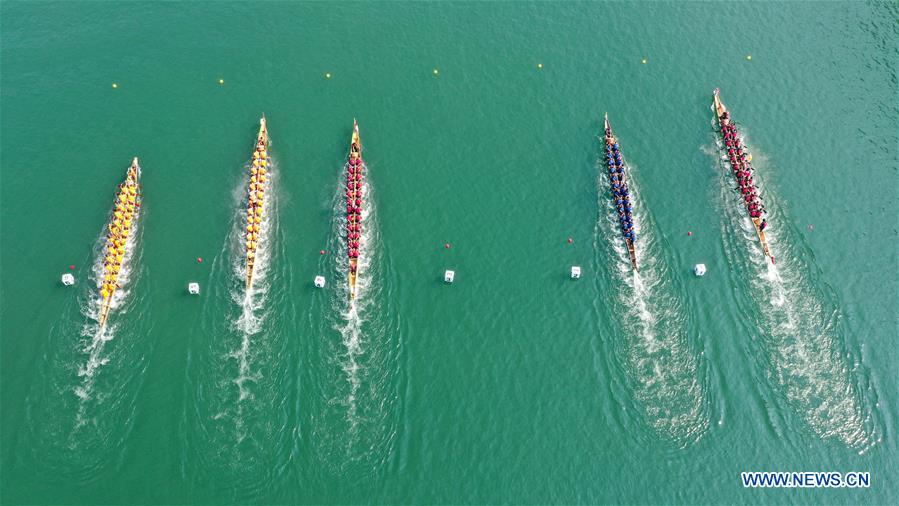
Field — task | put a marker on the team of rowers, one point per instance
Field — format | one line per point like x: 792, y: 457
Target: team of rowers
x: 258, y: 178
x: 739, y: 161
x: 354, y: 183
x: 620, y: 192
x: 126, y: 204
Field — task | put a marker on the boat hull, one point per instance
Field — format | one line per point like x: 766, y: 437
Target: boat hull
x: 608, y: 140
x: 355, y: 170
x: 122, y: 224
x: 256, y: 199
x: 720, y: 110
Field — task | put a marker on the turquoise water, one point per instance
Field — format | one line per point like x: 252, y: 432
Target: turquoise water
x: 514, y: 384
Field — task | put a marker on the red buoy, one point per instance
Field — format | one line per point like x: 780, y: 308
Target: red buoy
x: 570, y: 240
x: 689, y: 234
x: 199, y: 260
x: 447, y: 245
x: 322, y: 252
x: 72, y: 267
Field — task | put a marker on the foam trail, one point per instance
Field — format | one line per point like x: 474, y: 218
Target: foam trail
x: 81, y: 411
x: 797, y: 319
x: 252, y: 303
x: 356, y: 428
x: 95, y: 336
x: 234, y: 414
x: 662, y: 369
x: 353, y: 315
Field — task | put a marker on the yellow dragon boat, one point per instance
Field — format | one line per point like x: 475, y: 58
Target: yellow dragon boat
x: 256, y: 198
x: 120, y: 227
x: 355, y: 179
x: 724, y: 119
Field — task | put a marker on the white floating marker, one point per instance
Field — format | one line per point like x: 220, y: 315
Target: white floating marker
x: 68, y: 279
x: 449, y: 276
x: 319, y: 281
x: 575, y: 272
x: 699, y: 269
x: 193, y: 288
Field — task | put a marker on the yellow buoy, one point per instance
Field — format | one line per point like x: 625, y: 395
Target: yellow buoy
x: 749, y: 57
x: 644, y: 61
x: 436, y: 72
x: 327, y: 75
x: 221, y: 81
x: 539, y: 65
x: 115, y: 85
